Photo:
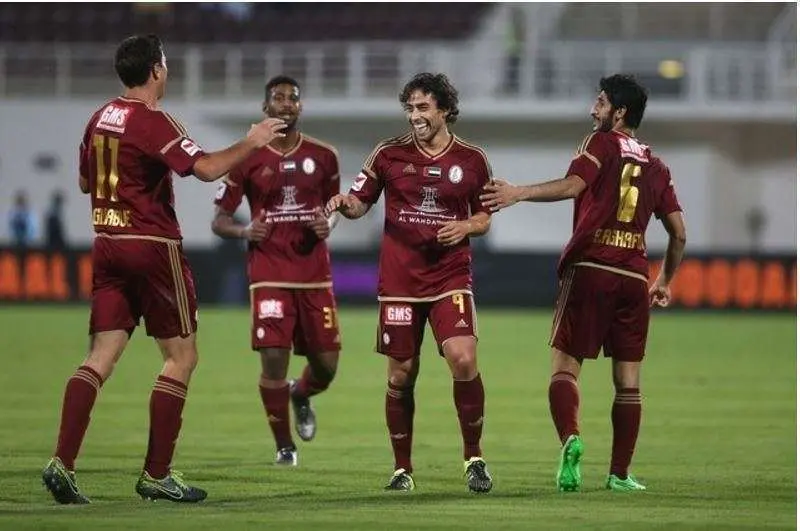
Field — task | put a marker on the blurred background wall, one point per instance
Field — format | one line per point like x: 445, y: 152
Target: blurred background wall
x: 722, y: 110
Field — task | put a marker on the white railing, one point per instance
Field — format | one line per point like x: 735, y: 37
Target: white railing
x: 357, y: 70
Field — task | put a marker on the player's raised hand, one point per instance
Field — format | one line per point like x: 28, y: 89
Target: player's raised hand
x: 266, y: 131
x: 452, y: 232
x: 257, y: 230
x: 499, y: 194
x: 319, y: 224
x: 659, y: 295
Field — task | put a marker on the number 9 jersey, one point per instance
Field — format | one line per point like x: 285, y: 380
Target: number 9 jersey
x: 127, y: 155
x: 625, y: 186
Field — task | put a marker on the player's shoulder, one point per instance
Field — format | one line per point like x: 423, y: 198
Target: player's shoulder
x: 165, y: 119
x: 468, y: 146
x: 597, y: 139
x: 315, y: 144
x: 395, y: 142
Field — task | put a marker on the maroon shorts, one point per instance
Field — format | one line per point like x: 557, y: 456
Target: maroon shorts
x: 599, y: 308
x: 402, y: 324
x: 305, y: 318
x: 140, y: 277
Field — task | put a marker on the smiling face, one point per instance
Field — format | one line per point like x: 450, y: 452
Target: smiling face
x: 425, y: 116
x: 284, y: 103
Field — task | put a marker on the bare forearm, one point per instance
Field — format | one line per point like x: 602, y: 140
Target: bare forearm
x: 212, y: 166
x: 555, y: 190
x: 333, y: 220
x: 672, y: 259
x: 225, y: 227
x: 479, y: 224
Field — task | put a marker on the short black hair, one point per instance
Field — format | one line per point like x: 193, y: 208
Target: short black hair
x: 439, y: 86
x: 135, y: 58
x: 279, y: 80
x: 623, y: 90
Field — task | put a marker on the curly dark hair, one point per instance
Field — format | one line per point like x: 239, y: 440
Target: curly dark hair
x: 624, y: 90
x: 439, y: 86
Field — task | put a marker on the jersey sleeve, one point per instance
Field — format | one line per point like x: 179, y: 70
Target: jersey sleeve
x: 667, y: 201
x: 369, y: 183
x: 589, y: 158
x: 171, y: 144
x: 231, y: 190
x: 484, y: 176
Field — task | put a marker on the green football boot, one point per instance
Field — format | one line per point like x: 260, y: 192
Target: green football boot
x: 568, y: 477
x: 628, y: 484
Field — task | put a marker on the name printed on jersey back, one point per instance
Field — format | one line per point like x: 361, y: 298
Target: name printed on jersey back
x: 113, y: 118
x: 630, y: 148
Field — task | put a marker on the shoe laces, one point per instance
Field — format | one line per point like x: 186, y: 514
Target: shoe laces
x: 177, y: 477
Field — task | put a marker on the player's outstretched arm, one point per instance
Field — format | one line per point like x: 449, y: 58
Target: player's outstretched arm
x: 676, y: 228
x: 348, y: 205
x: 500, y: 194
x: 225, y: 226
x: 212, y: 166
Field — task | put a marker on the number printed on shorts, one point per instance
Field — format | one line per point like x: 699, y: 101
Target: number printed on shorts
x: 329, y: 316
x: 458, y: 300
x: 110, y: 177
x: 628, y: 193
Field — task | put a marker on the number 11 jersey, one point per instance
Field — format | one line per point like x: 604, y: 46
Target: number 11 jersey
x: 127, y: 155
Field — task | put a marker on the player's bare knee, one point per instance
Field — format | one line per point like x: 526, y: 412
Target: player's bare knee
x: 626, y: 374
x: 275, y: 363
x: 403, y: 373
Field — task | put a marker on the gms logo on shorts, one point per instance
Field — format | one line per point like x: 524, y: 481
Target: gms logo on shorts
x: 270, y: 309
x: 398, y: 315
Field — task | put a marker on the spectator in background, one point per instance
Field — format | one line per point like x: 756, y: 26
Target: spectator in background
x: 55, y: 239
x: 22, y: 222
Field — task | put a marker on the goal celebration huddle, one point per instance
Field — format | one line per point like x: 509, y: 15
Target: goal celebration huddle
x: 439, y: 193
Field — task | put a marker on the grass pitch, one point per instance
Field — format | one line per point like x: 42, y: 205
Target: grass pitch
x: 717, y: 448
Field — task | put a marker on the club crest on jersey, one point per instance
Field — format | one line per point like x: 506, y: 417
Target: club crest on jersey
x: 270, y: 309
x: 455, y: 174
x: 114, y: 118
x: 309, y: 165
x: 287, y: 166
x: 398, y: 315
x: 432, y: 171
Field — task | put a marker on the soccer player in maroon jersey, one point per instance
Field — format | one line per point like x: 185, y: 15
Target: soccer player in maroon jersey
x: 431, y: 181
x: 129, y: 150
x: 287, y: 183
x: 603, y: 300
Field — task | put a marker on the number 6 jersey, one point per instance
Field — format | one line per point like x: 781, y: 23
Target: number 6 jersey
x: 127, y: 155
x: 625, y: 186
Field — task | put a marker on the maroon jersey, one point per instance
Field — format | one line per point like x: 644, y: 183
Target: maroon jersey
x: 128, y: 153
x: 423, y: 191
x: 625, y: 186
x: 284, y: 189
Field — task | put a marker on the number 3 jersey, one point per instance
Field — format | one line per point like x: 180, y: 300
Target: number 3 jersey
x: 283, y: 190
x: 625, y: 186
x: 422, y: 192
